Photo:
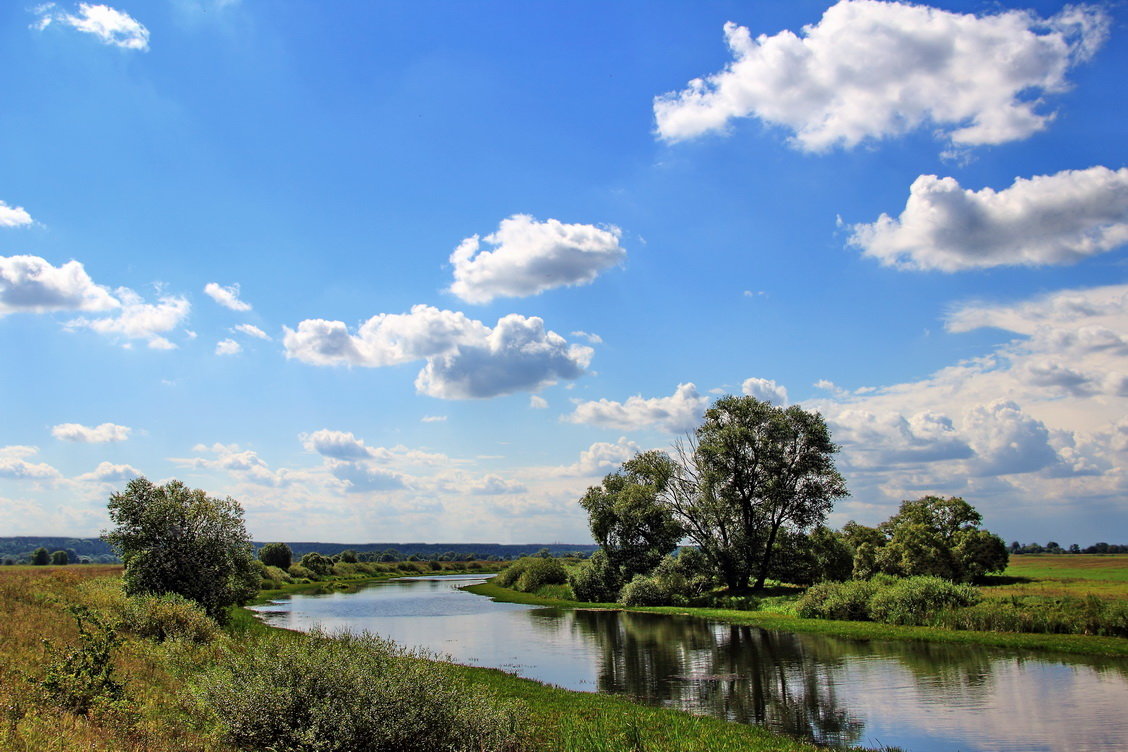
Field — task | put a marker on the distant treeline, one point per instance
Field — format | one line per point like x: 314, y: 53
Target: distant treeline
x: 1053, y: 548
x: 20, y: 549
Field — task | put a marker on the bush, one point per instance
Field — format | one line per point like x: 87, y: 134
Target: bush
x: 837, y: 600
x: 595, y: 580
x: 540, y: 572
x: 169, y: 617
x: 351, y: 693
x: 916, y: 600
x: 83, y: 678
x: 298, y: 572
x: 315, y: 562
x: 276, y: 555
x: 644, y: 591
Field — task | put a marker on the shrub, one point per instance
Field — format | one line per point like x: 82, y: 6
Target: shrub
x: 83, y: 677
x: 595, y: 580
x: 837, y: 600
x: 298, y: 572
x: 915, y: 600
x: 644, y: 591
x: 276, y: 555
x: 540, y: 572
x: 170, y: 616
x: 315, y: 562
x: 351, y: 693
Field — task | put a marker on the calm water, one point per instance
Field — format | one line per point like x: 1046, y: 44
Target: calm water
x: 919, y: 696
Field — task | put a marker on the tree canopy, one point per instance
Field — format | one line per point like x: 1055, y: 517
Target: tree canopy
x: 750, y: 471
x: 174, y: 539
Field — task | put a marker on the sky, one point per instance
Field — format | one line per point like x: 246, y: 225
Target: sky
x: 425, y: 271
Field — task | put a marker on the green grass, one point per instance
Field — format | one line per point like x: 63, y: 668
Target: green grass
x: 1059, y: 575
x: 782, y: 620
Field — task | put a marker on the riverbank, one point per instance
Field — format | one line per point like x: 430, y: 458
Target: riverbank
x: 160, y: 708
x: 1116, y: 647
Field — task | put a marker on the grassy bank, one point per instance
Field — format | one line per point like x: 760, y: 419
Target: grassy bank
x: 1039, y: 575
x: 160, y: 709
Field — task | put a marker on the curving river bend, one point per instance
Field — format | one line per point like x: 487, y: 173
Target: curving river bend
x: 920, y: 696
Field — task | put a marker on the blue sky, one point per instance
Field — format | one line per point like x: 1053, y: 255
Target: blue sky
x: 427, y: 270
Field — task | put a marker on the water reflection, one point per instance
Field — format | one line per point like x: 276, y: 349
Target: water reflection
x: 920, y: 696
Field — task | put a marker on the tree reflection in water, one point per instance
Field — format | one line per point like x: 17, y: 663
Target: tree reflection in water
x: 743, y: 674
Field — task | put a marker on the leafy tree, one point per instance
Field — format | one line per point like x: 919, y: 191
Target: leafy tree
x: 60, y: 557
x: 632, y: 526
x: 276, y: 555
x: 939, y: 536
x: 174, y: 539
x: 348, y: 556
x: 750, y: 471
x: 807, y: 558
x: 40, y: 557
x: 317, y: 563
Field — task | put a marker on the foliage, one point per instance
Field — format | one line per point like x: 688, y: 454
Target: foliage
x: 60, y: 558
x: 276, y: 555
x: 627, y: 519
x: 807, y: 558
x: 594, y: 580
x: 751, y: 470
x: 351, y: 693
x: 532, y: 573
x: 348, y: 556
x: 644, y: 591
x: 169, y: 616
x: 916, y: 600
x: 320, y: 565
x: 837, y: 600
x: 40, y: 557
x: 1082, y: 616
x: 933, y: 536
x: 82, y: 677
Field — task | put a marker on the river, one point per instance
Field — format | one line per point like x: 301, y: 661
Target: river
x: 924, y: 697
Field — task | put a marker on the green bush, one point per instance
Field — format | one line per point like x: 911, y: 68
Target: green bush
x: 170, y: 616
x: 315, y: 562
x: 276, y: 555
x: 351, y: 693
x: 299, y: 572
x: 540, y: 572
x: 916, y: 600
x: 82, y: 678
x: 837, y: 600
x: 595, y: 580
x: 644, y: 591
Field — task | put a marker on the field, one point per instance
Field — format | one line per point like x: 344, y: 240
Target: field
x: 1057, y: 575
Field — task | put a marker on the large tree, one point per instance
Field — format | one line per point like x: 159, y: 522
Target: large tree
x: 627, y: 518
x: 939, y: 536
x: 748, y: 472
x: 175, y: 539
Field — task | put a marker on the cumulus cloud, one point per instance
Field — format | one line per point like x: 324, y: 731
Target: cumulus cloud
x: 679, y: 412
x: 13, y: 216
x: 14, y: 464
x: 251, y: 331
x: 228, y: 297
x: 1047, y: 219
x: 100, y: 434
x: 537, y: 402
x: 869, y: 70
x: 359, y: 478
x: 32, y: 285
x: 1005, y: 440
x: 244, y: 464
x: 228, y: 347
x: 464, y: 358
x: 338, y: 445
x: 601, y: 458
x: 107, y: 472
x: 765, y: 390
x: 433, y: 419
x: 529, y: 257
x: 109, y: 25
x: 494, y: 485
x: 140, y: 320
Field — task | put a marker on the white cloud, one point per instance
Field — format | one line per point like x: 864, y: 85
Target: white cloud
x: 677, y: 413
x: 252, y: 331
x: 228, y: 297
x: 601, y: 458
x: 494, y: 485
x: 1047, y: 219
x: 107, y: 472
x: 228, y: 347
x: 140, y: 320
x: 109, y: 25
x: 31, y: 284
x: 434, y: 419
x: 465, y: 359
x: 765, y: 390
x: 1034, y: 425
x: 13, y: 216
x: 530, y: 257
x: 868, y: 70
x: 360, y: 478
x: 594, y: 339
x: 537, y: 402
x: 14, y: 464
x: 243, y: 464
x: 100, y: 434
x: 339, y: 445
